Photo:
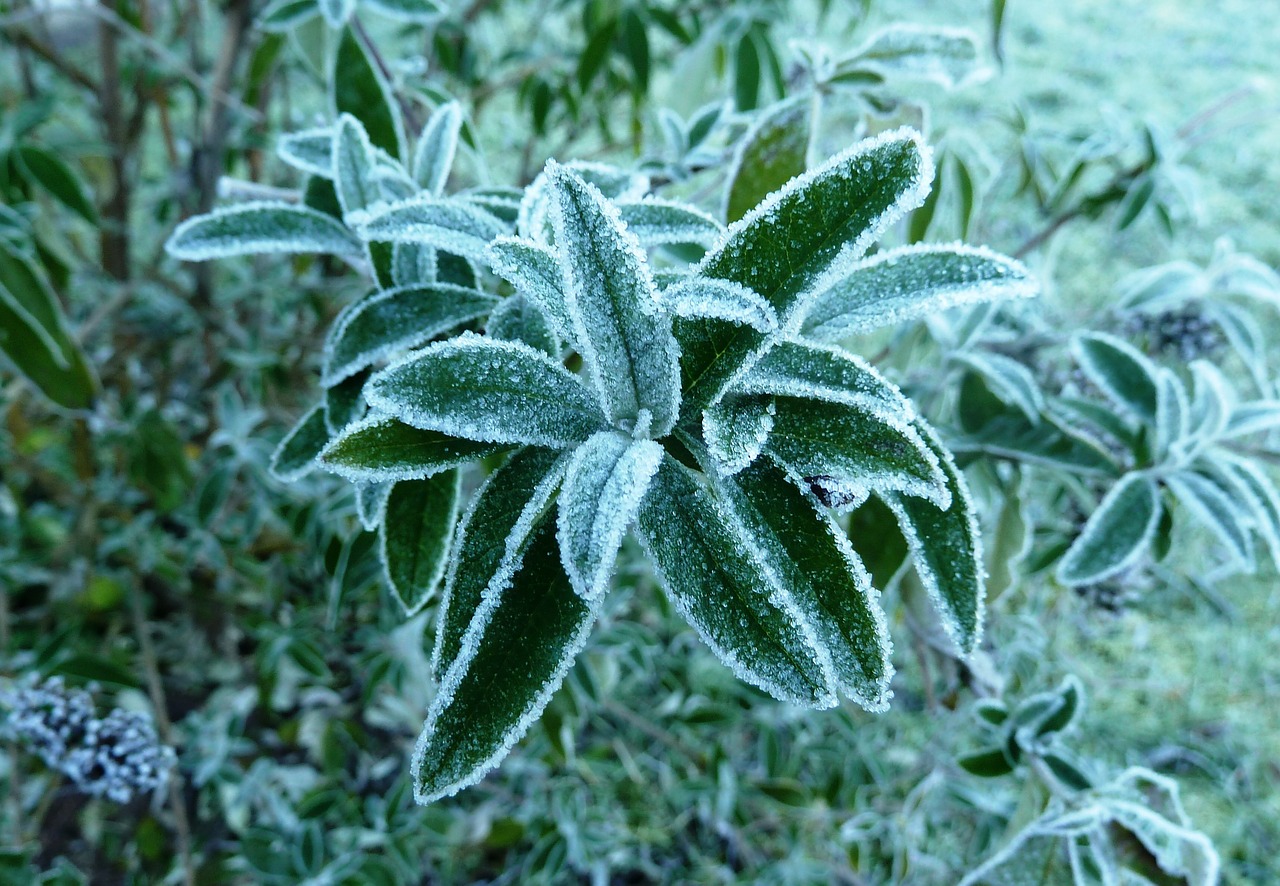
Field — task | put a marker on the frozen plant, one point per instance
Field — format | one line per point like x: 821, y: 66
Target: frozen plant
x: 118, y: 756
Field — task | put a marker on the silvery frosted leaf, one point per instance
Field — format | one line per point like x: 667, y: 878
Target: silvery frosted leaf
x: 946, y: 56
x: 718, y: 581
x: 310, y: 150
x: 1262, y: 494
x: 516, y: 651
x: 625, y: 342
x: 344, y: 402
x: 353, y: 167
x: 909, y: 283
x: 607, y: 478
x: 382, y: 448
x: 413, y: 264
x: 417, y: 528
x: 848, y: 449
x: 392, y: 183
x: 396, y: 319
x: 537, y: 276
x: 358, y: 87
x: 1008, y: 378
x: 448, y: 224
x: 813, y: 559
x: 1116, y: 534
x: 1217, y: 511
x: 736, y: 430
x: 772, y: 152
x: 295, y: 457
x: 1173, y: 412
x: 409, y: 10
x: 437, y: 146
x: 260, y: 227
x: 371, y: 499
x: 1120, y: 371
x: 799, y: 240
x: 1254, y: 417
x: 947, y: 549
x: 501, y: 203
x: 1211, y: 401
x: 658, y: 222
x: 822, y: 372
x: 709, y: 298
x: 515, y: 319
x: 674, y: 139
x: 534, y: 221
x: 336, y: 12
x: 491, y: 538
x: 489, y: 391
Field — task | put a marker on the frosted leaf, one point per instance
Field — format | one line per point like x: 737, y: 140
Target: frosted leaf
x: 491, y: 538
x: 946, y: 547
x: 353, y: 167
x: 607, y: 478
x: 946, y: 56
x: 773, y: 151
x: 909, y: 283
x: 382, y: 448
x: 657, y: 222
x: 1173, y: 412
x: 502, y: 203
x: 534, y: 220
x: 821, y: 372
x: 716, y: 578
x: 718, y: 299
x: 515, y: 319
x: 391, y: 183
x: 336, y: 12
x: 415, y: 537
x: 1009, y: 379
x: 449, y: 224
x: 1211, y: 401
x: 295, y: 457
x: 371, y: 500
x: 257, y: 228
x: 282, y: 16
x: 310, y: 150
x: 1116, y: 534
x: 850, y: 447
x: 489, y: 391
x: 626, y: 346
x: 1254, y: 417
x: 665, y: 278
x: 396, y: 319
x: 422, y: 11
x: 735, y: 431
x: 799, y: 240
x: 344, y: 402
x: 437, y: 147
x: 413, y: 264
x: 536, y: 274
x: 520, y: 644
x: 1120, y: 371
x: 1215, y: 510
x: 813, y: 559
x: 1261, y: 493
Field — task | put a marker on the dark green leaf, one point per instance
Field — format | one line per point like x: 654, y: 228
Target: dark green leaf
x: 417, y: 528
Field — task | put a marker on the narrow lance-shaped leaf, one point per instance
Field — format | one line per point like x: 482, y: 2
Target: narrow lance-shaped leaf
x: 57, y: 178
x: 295, y: 457
x: 382, y: 448
x: 707, y: 566
x: 819, y: 372
x: 310, y: 150
x: 946, y: 56
x: 371, y: 501
x: 417, y: 528
x: 489, y: 391
x: 657, y: 222
x: 437, y: 146
x: 607, y: 478
x: 771, y: 154
x: 909, y: 283
x: 359, y: 90
x: 1116, y: 534
x: 516, y: 319
x: 260, y: 227
x: 448, y: 224
x: 537, y: 276
x: 1220, y: 513
x: 1123, y: 374
x: 736, y: 430
x: 353, y: 166
x: 624, y: 341
x: 709, y: 298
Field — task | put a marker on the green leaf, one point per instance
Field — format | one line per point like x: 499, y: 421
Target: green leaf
x: 799, y: 240
x: 1214, y: 509
x: 708, y: 298
x: 910, y: 283
x: 945, y: 56
x: 53, y: 174
x: 537, y: 276
x: 421, y: 11
x: 382, y: 448
x: 260, y: 227
x: 625, y: 343
x: 595, y: 53
x: 746, y: 74
x: 877, y: 540
x: 296, y: 455
x: 658, y: 222
x: 1262, y: 494
x: 516, y: 319
x: 1123, y: 374
x: 449, y: 224
x: 704, y: 562
x: 436, y: 148
x: 336, y: 12
x: 394, y: 320
x: 518, y: 647
x: 736, y: 430
x: 820, y: 372
x: 360, y: 90
x: 947, y: 549
x: 635, y: 46
x: 310, y: 150
x: 491, y: 539
x: 990, y: 763
x: 353, y: 167
x: 1010, y: 379
x: 1066, y: 771
x: 771, y: 154
x: 813, y: 559
x: 283, y: 15
x: 1116, y: 534
x: 489, y: 391
x: 607, y: 478
x: 344, y: 402
x: 417, y: 527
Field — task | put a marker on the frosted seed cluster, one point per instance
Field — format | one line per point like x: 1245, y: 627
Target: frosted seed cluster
x: 117, y: 756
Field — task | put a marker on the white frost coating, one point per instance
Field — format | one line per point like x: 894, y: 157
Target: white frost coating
x: 534, y: 220
x: 437, y: 147
x: 489, y: 391
x: 1120, y: 391
x: 1010, y: 378
x: 716, y: 299
x: 353, y: 167
x: 260, y: 227
x: 736, y: 431
x: 659, y: 222
x: 305, y: 424
x: 449, y: 224
x: 413, y: 264
x: 606, y: 481
x: 536, y: 274
x: 371, y: 503
x: 408, y: 605
x: 908, y: 283
x: 365, y: 474
x: 1211, y: 401
x: 941, y: 55
x: 1072, y: 572
x: 1217, y: 512
x: 1173, y: 410
x: 421, y: 11
x: 310, y: 150
x: 1265, y: 498
x: 823, y: 372
x: 912, y: 197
